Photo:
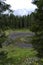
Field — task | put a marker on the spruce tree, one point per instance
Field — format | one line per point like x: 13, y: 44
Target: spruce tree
x: 38, y: 27
x: 3, y: 54
x: 3, y: 7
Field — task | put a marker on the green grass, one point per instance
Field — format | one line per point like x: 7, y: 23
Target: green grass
x: 25, y: 39
x: 16, y: 51
x: 18, y: 55
x: 7, y: 32
x: 22, y: 30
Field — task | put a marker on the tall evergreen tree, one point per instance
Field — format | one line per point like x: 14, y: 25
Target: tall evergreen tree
x: 3, y: 55
x: 3, y: 7
x: 38, y: 27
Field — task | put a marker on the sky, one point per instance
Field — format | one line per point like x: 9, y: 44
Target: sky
x: 21, y: 7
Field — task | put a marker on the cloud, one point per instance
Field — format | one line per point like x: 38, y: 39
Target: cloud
x: 21, y: 6
x: 21, y: 12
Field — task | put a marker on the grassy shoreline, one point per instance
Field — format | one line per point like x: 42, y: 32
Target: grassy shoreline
x: 8, y: 31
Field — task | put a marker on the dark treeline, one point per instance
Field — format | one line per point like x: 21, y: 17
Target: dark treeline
x: 11, y: 21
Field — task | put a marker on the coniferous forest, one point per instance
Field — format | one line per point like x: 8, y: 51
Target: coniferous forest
x: 11, y: 21
x: 21, y: 37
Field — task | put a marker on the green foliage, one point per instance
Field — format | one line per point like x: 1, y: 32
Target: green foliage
x: 3, y: 57
x: 37, y: 27
x: 3, y: 6
x: 2, y: 38
x: 3, y: 54
x: 14, y: 22
x: 17, y: 55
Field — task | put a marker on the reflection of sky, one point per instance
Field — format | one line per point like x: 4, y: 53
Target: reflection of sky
x: 21, y: 7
